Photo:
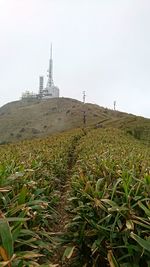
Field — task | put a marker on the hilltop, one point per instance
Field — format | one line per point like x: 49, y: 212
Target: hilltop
x: 21, y: 120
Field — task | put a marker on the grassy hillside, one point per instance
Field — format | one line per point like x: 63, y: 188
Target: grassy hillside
x: 80, y: 198
x: 29, y: 119
x: 22, y: 119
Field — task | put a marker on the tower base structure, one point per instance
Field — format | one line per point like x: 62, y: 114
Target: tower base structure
x: 50, y: 92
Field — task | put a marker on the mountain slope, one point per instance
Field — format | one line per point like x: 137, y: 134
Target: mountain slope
x: 28, y: 119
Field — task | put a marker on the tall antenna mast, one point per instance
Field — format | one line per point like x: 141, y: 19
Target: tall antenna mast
x: 50, y: 82
x: 51, y: 52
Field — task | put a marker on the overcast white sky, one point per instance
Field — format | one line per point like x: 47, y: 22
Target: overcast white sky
x: 100, y: 46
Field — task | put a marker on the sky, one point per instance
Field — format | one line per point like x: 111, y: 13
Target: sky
x: 99, y: 46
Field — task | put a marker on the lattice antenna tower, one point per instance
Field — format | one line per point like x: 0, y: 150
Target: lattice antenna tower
x: 50, y: 82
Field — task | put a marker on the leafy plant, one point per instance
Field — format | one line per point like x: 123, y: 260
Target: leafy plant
x: 110, y: 200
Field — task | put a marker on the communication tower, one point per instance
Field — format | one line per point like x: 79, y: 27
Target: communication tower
x: 51, y: 91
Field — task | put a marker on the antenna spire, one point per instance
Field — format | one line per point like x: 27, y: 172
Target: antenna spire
x: 50, y: 82
x: 51, y: 52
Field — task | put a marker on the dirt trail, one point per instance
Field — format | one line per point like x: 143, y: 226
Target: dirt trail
x: 59, y: 228
x: 62, y: 210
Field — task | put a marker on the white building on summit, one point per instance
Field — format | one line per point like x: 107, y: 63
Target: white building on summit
x: 50, y: 91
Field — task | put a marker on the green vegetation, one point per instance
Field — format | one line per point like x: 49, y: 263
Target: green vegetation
x: 31, y: 176
x: 111, y: 201
x: 109, y: 204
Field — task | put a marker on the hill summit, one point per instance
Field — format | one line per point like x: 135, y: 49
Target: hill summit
x: 24, y: 119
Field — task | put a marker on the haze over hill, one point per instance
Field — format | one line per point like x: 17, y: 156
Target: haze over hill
x: 107, y: 54
x: 29, y: 119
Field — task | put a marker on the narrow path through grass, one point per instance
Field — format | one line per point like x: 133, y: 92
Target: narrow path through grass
x: 64, y: 211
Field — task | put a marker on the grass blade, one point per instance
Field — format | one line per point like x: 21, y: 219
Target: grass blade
x: 143, y: 243
x: 6, y: 236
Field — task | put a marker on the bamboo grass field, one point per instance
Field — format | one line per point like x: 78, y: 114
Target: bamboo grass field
x: 107, y: 173
x: 31, y: 173
x: 75, y: 133
x: 111, y: 200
